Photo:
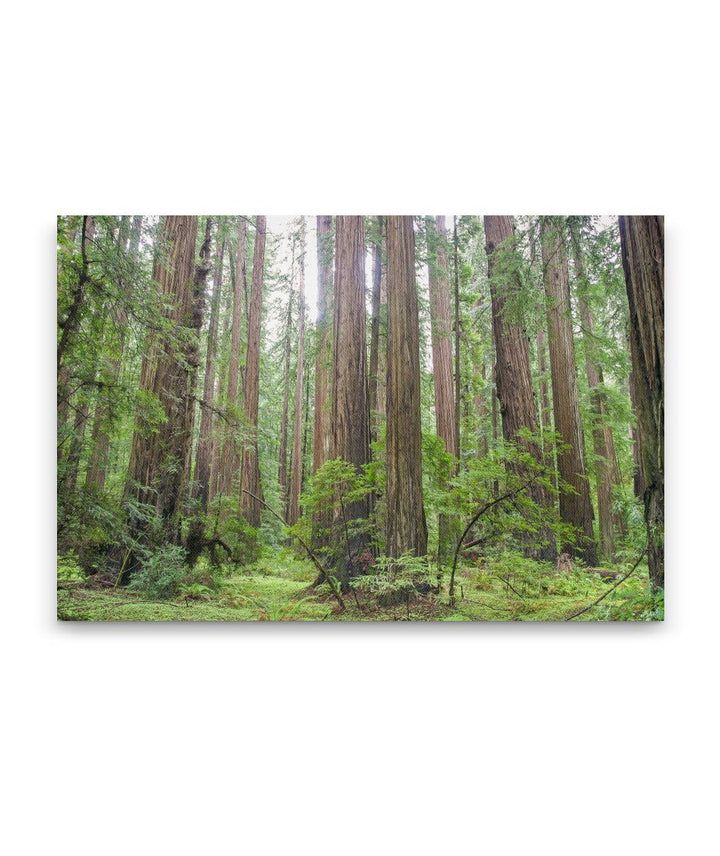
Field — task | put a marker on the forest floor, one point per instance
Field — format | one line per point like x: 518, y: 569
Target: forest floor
x: 278, y: 589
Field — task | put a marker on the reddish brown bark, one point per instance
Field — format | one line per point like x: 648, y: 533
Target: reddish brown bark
x: 350, y: 411
x: 575, y: 505
x: 512, y: 376
x: 160, y: 454
x: 642, y: 241
x: 374, y: 380
x: 406, y: 526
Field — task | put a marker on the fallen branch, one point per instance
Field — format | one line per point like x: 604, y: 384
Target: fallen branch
x: 507, y: 583
x: 332, y: 582
x: 611, y: 589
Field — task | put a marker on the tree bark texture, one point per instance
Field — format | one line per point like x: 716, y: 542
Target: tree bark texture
x: 375, y: 332
x: 250, y: 473
x: 230, y: 460
x: 350, y: 411
x: 642, y: 241
x: 575, y: 505
x: 603, y: 444
x: 512, y: 376
x: 160, y: 454
x: 406, y: 525
x: 203, y: 455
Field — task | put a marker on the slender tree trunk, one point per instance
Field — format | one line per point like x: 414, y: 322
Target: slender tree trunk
x: 250, y: 473
x: 406, y: 526
x: 293, y: 514
x: 160, y: 454
x: 322, y: 437
x: 283, y: 457
x: 350, y: 411
x: 603, y: 445
x: 482, y: 411
x: 512, y: 375
x: 70, y: 324
x: 575, y: 506
x: 99, y: 456
x: 203, y: 457
x: 441, y: 328
x: 230, y: 460
x: 642, y: 241
x: 375, y: 332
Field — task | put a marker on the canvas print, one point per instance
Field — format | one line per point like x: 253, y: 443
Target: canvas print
x: 360, y: 418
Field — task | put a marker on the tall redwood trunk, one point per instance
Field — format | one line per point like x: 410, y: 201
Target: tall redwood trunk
x: 250, y: 472
x: 160, y: 454
x: 350, y: 411
x: 575, y: 505
x: 293, y: 512
x: 230, y: 460
x: 512, y: 376
x: 642, y: 241
x: 322, y: 437
x: 374, y: 368
x: 406, y: 526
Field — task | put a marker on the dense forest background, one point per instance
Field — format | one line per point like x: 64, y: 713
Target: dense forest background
x: 431, y: 417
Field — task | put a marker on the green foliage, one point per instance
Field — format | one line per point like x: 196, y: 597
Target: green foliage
x: 325, y: 520
x: 69, y: 569
x: 396, y: 580
x: 161, y: 573
x: 224, y: 522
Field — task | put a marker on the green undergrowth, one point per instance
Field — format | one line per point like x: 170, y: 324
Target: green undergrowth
x: 277, y: 588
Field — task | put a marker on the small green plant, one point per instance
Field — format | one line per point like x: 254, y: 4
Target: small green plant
x: 69, y: 570
x: 398, y: 580
x: 161, y: 573
x: 194, y: 591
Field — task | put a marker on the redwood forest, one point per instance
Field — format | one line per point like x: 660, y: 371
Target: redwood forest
x: 360, y: 418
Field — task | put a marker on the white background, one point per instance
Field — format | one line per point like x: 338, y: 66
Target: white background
x: 369, y: 739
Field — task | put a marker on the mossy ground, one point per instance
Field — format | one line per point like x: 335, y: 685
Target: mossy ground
x: 277, y: 589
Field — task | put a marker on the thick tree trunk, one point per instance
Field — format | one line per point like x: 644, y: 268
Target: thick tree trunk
x: 441, y: 329
x: 293, y: 513
x: 350, y: 411
x: 406, y: 526
x: 160, y: 454
x: 250, y: 473
x: 457, y: 326
x: 642, y: 241
x: 512, y: 376
x: 322, y: 437
x: 575, y: 505
x: 375, y: 332
x: 230, y: 460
